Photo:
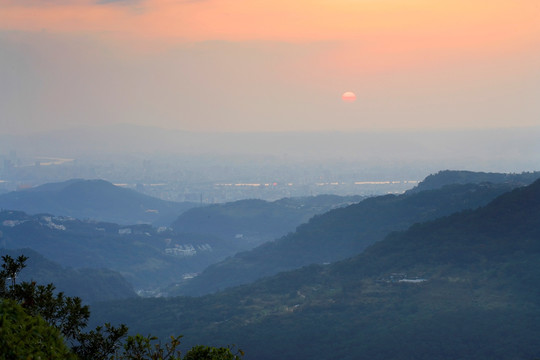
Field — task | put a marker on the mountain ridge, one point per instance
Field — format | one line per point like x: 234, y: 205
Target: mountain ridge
x: 340, y: 233
x: 461, y: 286
x: 257, y: 220
x: 94, y: 199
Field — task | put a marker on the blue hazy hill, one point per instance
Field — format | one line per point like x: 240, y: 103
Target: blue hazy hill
x: 96, y: 200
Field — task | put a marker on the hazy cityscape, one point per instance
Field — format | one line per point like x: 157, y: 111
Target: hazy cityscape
x: 262, y: 180
x: 211, y: 183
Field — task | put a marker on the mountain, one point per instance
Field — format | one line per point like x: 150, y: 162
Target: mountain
x: 91, y: 285
x: 448, y: 177
x: 147, y: 257
x: 257, y: 221
x: 94, y: 199
x: 464, y: 286
x: 339, y: 234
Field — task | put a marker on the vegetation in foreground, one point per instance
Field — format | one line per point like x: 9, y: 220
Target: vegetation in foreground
x: 38, y: 323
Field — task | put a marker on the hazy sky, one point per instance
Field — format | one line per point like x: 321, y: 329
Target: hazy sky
x: 280, y: 65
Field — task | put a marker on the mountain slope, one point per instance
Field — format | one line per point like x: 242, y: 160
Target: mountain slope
x: 91, y: 285
x: 461, y: 287
x: 340, y: 233
x: 147, y: 257
x: 93, y: 199
x: 448, y: 177
x: 257, y: 221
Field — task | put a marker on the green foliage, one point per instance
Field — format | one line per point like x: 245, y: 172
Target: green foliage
x: 201, y: 352
x: 23, y: 336
x: 66, y: 314
x: 101, y: 343
x: 35, y: 322
x: 92, y: 285
x: 140, y: 347
x: 10, y: 270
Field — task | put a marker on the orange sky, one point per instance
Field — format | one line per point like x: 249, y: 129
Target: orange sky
x: 393, y: 24
x: 307, y: 50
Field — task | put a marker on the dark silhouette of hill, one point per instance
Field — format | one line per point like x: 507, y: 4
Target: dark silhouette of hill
x: 94, y: 199
x: 257, y: 221
x: 339, y: 234
x: 465, y: 286
x: 448, y: 177
x: 91, y: 285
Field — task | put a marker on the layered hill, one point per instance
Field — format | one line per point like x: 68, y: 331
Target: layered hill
x: 449, y: 177
x: 464, y: 286
x: 91, y: 285
x: 257, y: 221
x: 340, y: 233
x: 96, y: 200
x: 146, y: 256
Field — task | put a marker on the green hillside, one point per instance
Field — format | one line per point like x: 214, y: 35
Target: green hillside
x: 147, y: 257
x: 464, y: 286
x: 340, y: 233
x: 257, y: 221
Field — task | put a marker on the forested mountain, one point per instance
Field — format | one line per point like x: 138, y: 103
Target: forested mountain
x: 95, y: 200
x: 448, y: 177
x: 147, y: 257
x: 464, y: 286
x: 257, y: 221
x: 91, y: 285
x: 340, y: 233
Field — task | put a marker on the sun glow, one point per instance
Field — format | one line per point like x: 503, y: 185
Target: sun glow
x: 164, y: 56
x: 348, y: 97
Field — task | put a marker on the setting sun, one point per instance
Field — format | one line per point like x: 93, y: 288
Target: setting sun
x: 348, y: 97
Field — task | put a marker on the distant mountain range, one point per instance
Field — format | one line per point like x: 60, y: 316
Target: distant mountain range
x: 347, y: 231
x: 450, y: 177
x: 464, y: 286
x: 94, y: 200
x: 257, y: 221
x: 149, y: 257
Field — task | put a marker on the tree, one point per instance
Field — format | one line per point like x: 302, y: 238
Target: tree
x: 140, y: 347
x: 10, y: 269
x: 202, y: 352
x: 23, y: 336
x: 35, y: 319
x: 66, y: 314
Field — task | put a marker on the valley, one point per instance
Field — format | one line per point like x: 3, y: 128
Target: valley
x: 327, y: 276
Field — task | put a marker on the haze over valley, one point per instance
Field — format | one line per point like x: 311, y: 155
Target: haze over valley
x: 252, y: 180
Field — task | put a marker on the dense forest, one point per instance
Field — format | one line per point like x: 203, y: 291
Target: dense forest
x: 341, y: 233
x: 448, y: 272
x: 463, y: 286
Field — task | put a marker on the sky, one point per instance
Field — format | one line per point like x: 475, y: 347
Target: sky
x: 269, y: 66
